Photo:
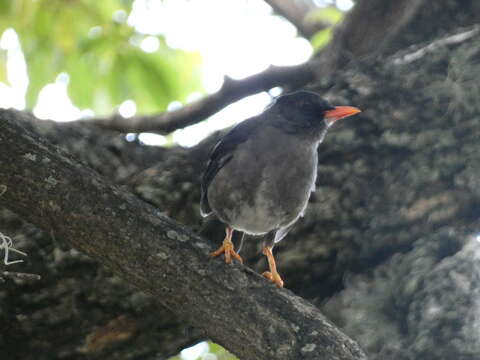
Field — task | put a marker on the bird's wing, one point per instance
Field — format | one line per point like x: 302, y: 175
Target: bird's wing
x: 276, y: 236
x: 282, y: 232
x: 221, y: 154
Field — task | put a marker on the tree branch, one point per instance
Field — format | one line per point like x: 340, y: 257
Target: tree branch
x: 358, y: 39
x: 296, y: 12
x: 233, y: 305
x: 417, y: 52
x: 354, y: 38
x: 231, y: 91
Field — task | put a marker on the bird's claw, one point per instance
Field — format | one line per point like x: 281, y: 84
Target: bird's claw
x: 274, y: 278
x: 273, y: 274
x: 227, y: 249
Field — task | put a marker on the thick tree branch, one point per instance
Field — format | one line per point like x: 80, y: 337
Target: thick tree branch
x: 358, y: 39
x: 375, y: 28
x: 231, y: 91
x: 233, y: 305
x: 434, y: 19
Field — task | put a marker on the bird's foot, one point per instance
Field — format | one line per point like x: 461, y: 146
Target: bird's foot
x: 229, y: 251
x: 274, y: 278
x: 273, y: 274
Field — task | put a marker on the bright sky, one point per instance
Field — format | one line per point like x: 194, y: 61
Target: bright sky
x: 235, y: 38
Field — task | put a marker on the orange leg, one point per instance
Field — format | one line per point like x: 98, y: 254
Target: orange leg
x: 273, y: 274
x: 227, y: 248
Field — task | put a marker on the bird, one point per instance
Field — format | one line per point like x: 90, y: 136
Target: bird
x: 260, y: 175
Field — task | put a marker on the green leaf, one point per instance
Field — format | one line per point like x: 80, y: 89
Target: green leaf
x: 105, y: 66
x: 221, y: 353
x: 321, y: 38
x: 40, y: 73
x: 82, y: 81
x: 329, y: 14
x: 3, y: 66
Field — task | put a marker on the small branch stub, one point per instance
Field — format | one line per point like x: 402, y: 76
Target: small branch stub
x: 19, y: 276
x: 6, y: 244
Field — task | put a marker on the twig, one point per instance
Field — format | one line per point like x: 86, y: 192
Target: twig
x: 231, y: 91
x: 296, y: 12
x: 20, y: 276
x: 6, y: 244
x: 414, y: 54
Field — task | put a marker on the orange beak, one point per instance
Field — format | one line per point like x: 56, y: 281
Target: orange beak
x: 340, y: 112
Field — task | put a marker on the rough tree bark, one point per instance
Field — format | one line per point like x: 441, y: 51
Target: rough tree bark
x: 387, y: 248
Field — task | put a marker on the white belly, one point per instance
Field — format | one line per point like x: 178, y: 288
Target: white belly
x: 264, y: 215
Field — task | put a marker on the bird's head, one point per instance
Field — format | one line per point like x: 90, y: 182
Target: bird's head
x: 306, y: 109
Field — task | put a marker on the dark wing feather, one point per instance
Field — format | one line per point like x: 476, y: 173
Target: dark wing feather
x: 221, y: 154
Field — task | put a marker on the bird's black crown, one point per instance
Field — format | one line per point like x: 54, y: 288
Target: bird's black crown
x: 305, y: 101
x: 302, y: 110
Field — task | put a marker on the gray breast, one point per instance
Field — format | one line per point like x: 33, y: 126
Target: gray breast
x: 267, y: 183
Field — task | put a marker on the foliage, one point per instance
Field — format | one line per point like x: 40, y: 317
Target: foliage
x: 221, y: 353
x: 215, y: 351
x: 93, y: 42
x: 330, y: 15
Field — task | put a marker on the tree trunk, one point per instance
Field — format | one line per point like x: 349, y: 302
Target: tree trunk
x: 387, y: 248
